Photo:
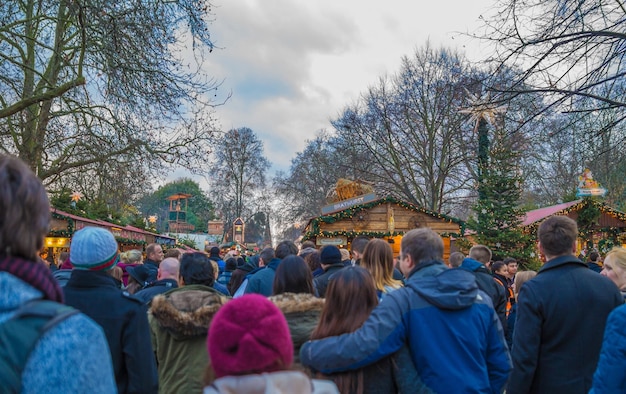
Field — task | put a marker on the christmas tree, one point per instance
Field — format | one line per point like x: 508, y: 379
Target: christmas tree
x: 498, y: 218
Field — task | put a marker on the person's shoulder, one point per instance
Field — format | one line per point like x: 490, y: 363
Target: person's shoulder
x: 131, y: 299
x: 619, y: 313
x: 76, y: 329
x: 263, y: 274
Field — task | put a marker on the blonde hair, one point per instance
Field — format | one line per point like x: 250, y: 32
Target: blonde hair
x: 522, y: 277
x: 378, y: 260
x: 620, y: 256
x: 216, y: 268
x: 133, y: 256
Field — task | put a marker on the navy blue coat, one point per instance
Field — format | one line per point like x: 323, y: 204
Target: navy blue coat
x: 124, y: 320
x: 561, y: 314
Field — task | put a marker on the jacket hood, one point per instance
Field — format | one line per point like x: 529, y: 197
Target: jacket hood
x: 276, y: 382
x: 470, y: 264
x: 187, y: 311
x: 301, y: 302
x: 451, y: 289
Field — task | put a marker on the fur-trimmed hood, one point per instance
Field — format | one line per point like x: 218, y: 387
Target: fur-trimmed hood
x: 301, y: 302
x: 187, y: 311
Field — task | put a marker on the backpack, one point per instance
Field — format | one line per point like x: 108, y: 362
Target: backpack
x: 20, y: 334
x: 509, y: 295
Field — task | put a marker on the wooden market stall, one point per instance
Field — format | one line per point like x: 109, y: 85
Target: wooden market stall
x: 64, y: 225
x: 607, y: 226
x: 388, y: 218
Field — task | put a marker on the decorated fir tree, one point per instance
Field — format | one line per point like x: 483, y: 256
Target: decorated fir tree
x: 497, y: 217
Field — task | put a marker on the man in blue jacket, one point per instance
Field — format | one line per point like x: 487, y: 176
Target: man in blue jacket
x: 561, y: 314
x: 261, y: 281
x: 454, y: 335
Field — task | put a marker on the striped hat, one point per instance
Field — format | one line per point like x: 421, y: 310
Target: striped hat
x: 94, y: 249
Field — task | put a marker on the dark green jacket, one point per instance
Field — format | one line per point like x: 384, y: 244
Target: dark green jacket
x: 179, y: 323
x: 302, y: 312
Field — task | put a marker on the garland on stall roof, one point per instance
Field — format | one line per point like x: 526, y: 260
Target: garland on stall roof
x: 62, y: 233
x: 370, y: 234
x: 122, y: 240
x: 349, y: 213
x: 602, y: 207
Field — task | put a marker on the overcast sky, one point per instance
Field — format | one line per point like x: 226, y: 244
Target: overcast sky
x: 292, y: 65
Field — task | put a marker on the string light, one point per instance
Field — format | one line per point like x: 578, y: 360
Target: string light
x: 349, y: 213
x: 601, y: 206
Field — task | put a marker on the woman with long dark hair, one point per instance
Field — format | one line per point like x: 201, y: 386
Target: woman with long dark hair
x: 294, y: 294
x: 350, y: 298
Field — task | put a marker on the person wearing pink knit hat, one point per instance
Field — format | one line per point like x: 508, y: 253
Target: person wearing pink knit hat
x: 250, y: 351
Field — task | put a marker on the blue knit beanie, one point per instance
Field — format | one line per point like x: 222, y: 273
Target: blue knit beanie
x: 94, y: 249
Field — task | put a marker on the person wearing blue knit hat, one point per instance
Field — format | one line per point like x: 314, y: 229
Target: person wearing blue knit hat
x: 124, y: 318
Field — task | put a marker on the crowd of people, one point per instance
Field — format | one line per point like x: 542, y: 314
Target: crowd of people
x: 301, y: 319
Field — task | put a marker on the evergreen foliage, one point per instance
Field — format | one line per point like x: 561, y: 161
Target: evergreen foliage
x: 498, y: 217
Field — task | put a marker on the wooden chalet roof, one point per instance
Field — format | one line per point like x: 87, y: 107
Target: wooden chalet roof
x: 312, y: 229
x: 609, y: 217
x: 57, y: 213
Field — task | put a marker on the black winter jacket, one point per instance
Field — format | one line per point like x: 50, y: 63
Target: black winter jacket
x: 485, y: 282
x: 159, y: 287
x: 321, y: 282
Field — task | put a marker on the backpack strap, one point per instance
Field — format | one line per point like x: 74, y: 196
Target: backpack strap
x: 20, y: 334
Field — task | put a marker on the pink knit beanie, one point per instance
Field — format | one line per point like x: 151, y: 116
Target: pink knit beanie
x: 249, y: 335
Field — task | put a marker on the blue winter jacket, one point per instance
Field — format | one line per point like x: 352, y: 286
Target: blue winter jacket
x: 72, y: 357
x: 262, y: 281
x: 454, y: 335
x: 610, y: 376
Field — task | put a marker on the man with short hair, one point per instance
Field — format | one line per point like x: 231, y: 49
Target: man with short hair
x: 593, y: 261
x: 167, y: 279
x: 357, y: 246
x: 561, y: 315
x: 453, y: 334
x: 479, y: 256
x: 154, y: 256
x: 262, y: 281
x: 512, y: 266
x: 214, y: 254
x: 455, y: 259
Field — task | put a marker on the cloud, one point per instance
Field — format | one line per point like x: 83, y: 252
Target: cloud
x: 292, y: 65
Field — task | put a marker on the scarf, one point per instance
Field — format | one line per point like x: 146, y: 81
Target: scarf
x: 35, y: 274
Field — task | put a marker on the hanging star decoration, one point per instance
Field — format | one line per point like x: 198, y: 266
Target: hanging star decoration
x: 76, y: 196
x: 152, y: 219
x: 482, y: 107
